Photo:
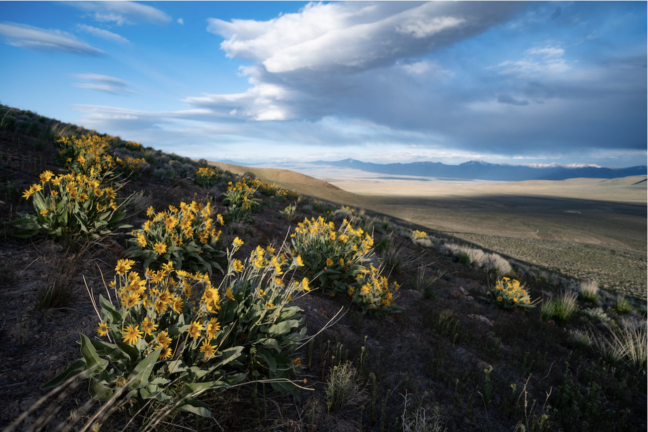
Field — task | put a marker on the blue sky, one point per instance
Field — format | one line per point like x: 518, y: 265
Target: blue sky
x: 521, y: 83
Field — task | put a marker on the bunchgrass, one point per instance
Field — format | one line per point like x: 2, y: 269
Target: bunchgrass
x: 589, y: 291
x: 622, y: 305
x: 580, y: 338
x: 626, y: 343
x: 425, y: 284
x: 561, y: 309
x: 342, y: 390
x: 566, y: 307
x: 547, y: 310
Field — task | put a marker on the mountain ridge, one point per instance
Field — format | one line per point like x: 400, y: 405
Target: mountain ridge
x: 479, y: 170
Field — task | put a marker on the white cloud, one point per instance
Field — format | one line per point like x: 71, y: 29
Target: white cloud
x: 103, y: 83
x: 123, y: 12
x: 307, y: 63
x: 104, y: 34
x: 180, y: 21
x: 547, y: 52
x: 35, y: 38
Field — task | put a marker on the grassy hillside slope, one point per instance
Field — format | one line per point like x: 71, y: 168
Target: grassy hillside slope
x: 452, y: 359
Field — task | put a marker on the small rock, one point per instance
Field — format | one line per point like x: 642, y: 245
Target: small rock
x: 469, y: 298
x: 455, y: 293
x: 53, y: 358
x: 481, y: 319
x: 462, y: 291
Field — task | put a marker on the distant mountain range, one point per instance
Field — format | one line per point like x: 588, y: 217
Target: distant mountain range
x: 477, y: 170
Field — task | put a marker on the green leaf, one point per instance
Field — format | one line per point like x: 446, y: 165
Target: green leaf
x: 90, y: 355
x: 154, y: 392
x: 143, y: 370
x: 230, y: 354
x: 196, y: 407
x: 282, y: 327
x: 74, y: 369
x: 175, y: 366
x: 103, y: 348
x: 99, y: 391
x: 131, y: 351
x: 270, y: 343
x: 107, y: 306
x: 269, y: 358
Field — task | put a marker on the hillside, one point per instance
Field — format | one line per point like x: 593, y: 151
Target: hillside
x: 424, y: 342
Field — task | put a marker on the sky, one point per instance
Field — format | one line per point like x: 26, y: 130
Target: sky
x: 270, y: 82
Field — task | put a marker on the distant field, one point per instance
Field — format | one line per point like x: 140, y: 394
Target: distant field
x: 584, y: 228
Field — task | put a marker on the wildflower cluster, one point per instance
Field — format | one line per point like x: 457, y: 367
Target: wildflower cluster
x: 508, y: 294
x: 418, y: 235
x: 171, y: 325
x: 240, y: 200
x: 72, y: 204
x: 272, y: 190
x: 188, y: 237
x: 130, y: 165
x: 337, y: 256
x: 132, y: 145
x: 86, y: 155
x: 335, y: 261
x: 207, y: 177
x: 373, y: 292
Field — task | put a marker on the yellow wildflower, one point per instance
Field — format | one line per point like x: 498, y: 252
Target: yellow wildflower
x: 131, y: 335
x: 207, y: 349
x: 103, y: 329
x: 229, y: 294
x: 194, y: 329
x: 148, y: 326
x: 238, y: 242
x: 160, y: 248
x: 237, y: 265
x: 124, y: 265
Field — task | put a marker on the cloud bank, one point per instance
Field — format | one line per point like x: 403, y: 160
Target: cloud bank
x: 25, y: 36
x: 123, y: 12
x: 104, y: 83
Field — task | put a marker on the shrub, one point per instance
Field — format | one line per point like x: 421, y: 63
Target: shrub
x: 508, y: 294
x: 240, y: 201
x: 69, y: 205
x: 589, y: 290
x: 187, y: 237
x: 172, y: 335
x: 596, y: 315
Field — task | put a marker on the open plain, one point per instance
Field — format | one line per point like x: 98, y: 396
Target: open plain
x: 581, y: 228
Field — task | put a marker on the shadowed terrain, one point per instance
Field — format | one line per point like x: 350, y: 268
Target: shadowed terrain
x: 584, y: 228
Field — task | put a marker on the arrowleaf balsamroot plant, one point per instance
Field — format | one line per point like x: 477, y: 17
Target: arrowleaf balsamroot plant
x: 508, y: 294
x: 240, y: 201
x: 68, y: 205
x: 188, y: 237
x: 172, y: 335
x: 335, y: 260
x: 207, y: 177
